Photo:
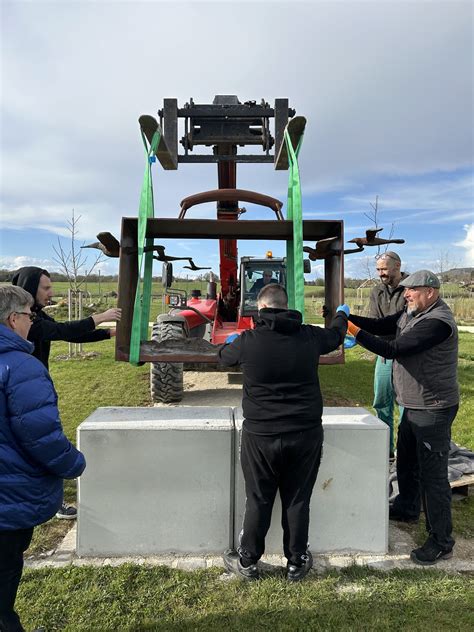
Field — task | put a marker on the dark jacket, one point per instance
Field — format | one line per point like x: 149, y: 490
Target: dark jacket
x: 428, y: 379
x: 385, y: 301
x: 45, y: 329
x: 279, y: 358
x: 425, y: 354
x: 35, y: 455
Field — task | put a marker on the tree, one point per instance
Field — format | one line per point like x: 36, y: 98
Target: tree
x: 374, y: 217
x: 73, y: 264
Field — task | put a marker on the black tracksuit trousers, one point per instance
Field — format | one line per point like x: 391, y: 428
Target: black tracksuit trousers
x: 422, y: 470
x: 288, y: 462
x: 12, y: 546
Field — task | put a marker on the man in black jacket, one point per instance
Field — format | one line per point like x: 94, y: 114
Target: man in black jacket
x: 44, y: 329
x: 425, y: 355
x: 282, y: 433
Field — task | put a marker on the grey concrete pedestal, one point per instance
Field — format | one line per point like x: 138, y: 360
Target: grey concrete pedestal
x: 168, y: 480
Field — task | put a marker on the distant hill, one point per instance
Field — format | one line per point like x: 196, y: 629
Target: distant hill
x: 458, y: 274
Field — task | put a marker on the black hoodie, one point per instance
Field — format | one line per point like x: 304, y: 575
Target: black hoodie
x: 44, y: 328
x: 279, y: 358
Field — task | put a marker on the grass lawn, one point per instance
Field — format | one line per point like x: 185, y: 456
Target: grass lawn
x: 137, y: 598
x: 133, y: 598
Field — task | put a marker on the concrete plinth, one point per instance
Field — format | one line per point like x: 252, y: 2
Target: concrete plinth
x: 157, y: 480
x: 349, y: 506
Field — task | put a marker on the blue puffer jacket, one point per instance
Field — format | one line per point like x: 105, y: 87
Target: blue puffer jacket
x: 35, y: 455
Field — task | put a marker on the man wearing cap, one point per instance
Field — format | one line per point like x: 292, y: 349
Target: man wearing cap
x: 387, y: 298
x: 425, y: 355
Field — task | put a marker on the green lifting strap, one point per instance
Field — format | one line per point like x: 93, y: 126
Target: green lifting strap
x: 294, y: 248
x: 141, y: 309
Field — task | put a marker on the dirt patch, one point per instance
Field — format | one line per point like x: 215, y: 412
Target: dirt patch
x: 208, y: 389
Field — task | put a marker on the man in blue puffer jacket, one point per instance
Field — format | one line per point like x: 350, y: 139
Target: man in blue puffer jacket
x: 35, y: 455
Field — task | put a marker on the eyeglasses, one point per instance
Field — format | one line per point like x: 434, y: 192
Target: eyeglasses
x: 30, y: 315
x: 384, y: 255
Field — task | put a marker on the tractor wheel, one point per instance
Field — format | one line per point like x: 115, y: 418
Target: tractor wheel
x: 166, y: 378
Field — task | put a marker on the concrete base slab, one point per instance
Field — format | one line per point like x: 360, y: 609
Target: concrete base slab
x: 271, y: 565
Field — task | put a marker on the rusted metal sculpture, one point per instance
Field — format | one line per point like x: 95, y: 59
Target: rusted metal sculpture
x: 371, y: 239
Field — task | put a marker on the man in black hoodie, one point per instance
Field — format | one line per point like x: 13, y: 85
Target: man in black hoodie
x: 282, y: 433
x: 44, y: 329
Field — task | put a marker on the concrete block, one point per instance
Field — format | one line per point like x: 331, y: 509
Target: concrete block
x: 158, y: 480
x: 349, y: 506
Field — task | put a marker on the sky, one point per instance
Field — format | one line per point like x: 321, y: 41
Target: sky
x: 386, y: 87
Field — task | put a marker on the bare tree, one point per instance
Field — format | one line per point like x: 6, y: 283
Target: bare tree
x: 73, y: 263
x: 373, y: 217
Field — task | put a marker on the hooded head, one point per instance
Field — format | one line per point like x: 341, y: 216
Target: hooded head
x: 29, y: 279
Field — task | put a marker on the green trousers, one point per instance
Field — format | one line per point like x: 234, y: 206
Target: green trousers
x: 384, y: 396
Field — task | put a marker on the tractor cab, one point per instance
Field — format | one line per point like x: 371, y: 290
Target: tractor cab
x: 256, y: 274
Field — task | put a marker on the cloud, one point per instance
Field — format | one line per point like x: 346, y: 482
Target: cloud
x: 389, y: 112
x: 13, y: 263
x: 468, y: 244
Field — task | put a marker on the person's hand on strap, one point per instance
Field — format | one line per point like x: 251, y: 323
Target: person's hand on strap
x: 352, y: 329
x: 343, y: 308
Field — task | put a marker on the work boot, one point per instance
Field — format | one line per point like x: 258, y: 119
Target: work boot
x: 396, y: 514
x: 297, y: 572
x: 430, y: 553
x: 234, y: 565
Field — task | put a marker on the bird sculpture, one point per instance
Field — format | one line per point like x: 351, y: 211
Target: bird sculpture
x: 193, y: 266
x: 107, y: 243
x: 110, y: 246
x: 370, y: 239
x: 352, y: 250
x: 322, y: 249
x: 161, y: 256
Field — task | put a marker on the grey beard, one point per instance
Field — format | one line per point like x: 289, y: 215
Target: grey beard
x: 411, y: 311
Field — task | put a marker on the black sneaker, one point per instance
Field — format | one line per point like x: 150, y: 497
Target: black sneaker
x: 297, y: 573
x: 396, y: 514
x: 430, y: 553
x: 67, y: 512
x: 233, y: 565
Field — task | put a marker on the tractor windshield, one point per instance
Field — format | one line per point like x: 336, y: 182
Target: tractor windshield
x: 255, y: 275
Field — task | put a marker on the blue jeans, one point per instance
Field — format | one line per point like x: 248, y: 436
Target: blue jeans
x: 384, y: 396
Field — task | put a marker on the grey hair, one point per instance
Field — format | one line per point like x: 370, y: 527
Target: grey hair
x: 13, y: 299
x: 273, y: 295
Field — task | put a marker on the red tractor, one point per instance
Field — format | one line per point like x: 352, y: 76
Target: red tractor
x: 194, y: 327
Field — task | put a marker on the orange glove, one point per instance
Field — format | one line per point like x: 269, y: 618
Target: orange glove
x: 352, y: 329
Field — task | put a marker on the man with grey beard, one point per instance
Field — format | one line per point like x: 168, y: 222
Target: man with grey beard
x: 425, y: 355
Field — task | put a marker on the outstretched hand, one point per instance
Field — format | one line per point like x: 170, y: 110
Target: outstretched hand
x: 352, y: 329
x: 231, y: 338
x: 114, y: 314
x: 343, y: 308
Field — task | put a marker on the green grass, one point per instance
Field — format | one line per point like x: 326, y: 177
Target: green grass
x: 132, y: 598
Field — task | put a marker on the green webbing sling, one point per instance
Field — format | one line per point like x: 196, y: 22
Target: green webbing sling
x: 141, y: 309
x: 294, y: 248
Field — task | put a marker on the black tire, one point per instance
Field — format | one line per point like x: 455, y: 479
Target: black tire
x: 166, y: 379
